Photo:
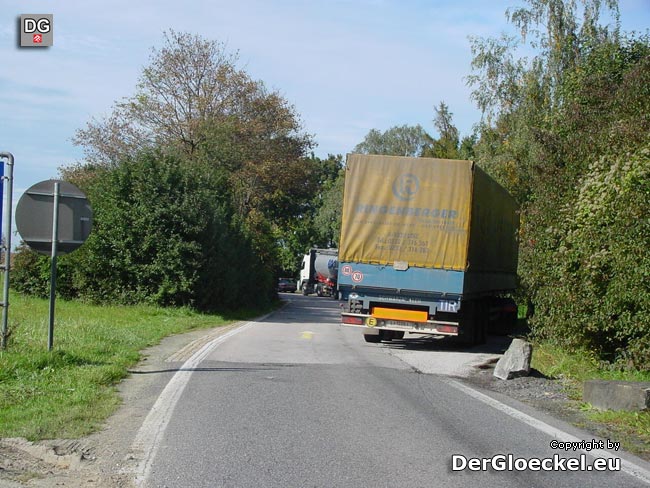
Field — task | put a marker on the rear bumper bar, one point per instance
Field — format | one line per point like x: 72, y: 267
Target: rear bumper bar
x: 434, y: 327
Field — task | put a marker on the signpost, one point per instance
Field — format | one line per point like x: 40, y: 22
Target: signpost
x: 6, y: 188
x: 53, y: 217
x: 2, y: 191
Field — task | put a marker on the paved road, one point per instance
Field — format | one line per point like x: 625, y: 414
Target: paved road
x: 298, y: 401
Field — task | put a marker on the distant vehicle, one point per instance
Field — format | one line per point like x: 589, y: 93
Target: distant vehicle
x: 286, y: 285
x: 319, y: 272
x: 428, y: 246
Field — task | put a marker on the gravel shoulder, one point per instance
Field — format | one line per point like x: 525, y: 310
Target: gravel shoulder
x: 551, y: 396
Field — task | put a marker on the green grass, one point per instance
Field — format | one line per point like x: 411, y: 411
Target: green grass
x: 632, y: 429
x: 70, y: 391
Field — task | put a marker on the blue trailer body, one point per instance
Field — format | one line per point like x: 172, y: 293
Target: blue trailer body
x: 411, y: 281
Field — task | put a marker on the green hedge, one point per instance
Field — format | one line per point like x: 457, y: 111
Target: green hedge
x: 163, y: 234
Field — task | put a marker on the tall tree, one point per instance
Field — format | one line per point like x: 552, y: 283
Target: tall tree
x: 328, y: 217
x: 308, y: 228
x: 402, y: 140
x: 560, y: 36
x: 447, y: 145
x: 194, y: 101
x: 566, y: 132
x: 443, y: 122
x: 189, y: 84
x: 194, y: 106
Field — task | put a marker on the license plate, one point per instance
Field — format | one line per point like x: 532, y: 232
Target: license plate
x: 398, y: 323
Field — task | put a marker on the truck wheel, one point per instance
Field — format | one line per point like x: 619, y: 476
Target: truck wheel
x: 472, y: 324
x: 479, y: 332
x: 304, y: 289
x: 398, y: 335
x: 502, y: 316
x: 372, y: 338
x: 481, y: 322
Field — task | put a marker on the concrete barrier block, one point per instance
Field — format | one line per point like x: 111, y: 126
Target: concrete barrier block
x: 617, y: 395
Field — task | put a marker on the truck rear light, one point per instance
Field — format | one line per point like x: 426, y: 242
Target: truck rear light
x: 449, y: 329
x: 352, y: 320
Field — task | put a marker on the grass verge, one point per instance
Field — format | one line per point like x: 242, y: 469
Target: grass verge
x: 631, y: 428
x: 70, y: 391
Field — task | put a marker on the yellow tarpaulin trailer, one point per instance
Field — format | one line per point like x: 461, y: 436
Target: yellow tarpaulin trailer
x: 430, y: 213
x: 406, y: 209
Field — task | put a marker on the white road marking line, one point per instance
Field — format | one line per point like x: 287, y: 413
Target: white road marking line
x: 145, y: 445
x: 628, y: 467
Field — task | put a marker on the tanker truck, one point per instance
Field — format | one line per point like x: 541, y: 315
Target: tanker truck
x: 428, y: 246
x: 319, y: 272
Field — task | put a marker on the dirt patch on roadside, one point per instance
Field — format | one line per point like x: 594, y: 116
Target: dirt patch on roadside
x: 53, y: 463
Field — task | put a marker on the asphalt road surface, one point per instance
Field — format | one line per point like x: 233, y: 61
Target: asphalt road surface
x: 297, y: 400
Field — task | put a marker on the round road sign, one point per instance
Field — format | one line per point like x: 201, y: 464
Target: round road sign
x: 34, y: 215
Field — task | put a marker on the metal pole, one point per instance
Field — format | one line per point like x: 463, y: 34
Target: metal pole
x: 6, y: 220
x: 55, y: 238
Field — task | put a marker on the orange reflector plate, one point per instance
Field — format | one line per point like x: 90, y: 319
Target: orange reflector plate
x: 396, y: 314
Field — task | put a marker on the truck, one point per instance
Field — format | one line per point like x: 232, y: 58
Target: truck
x: 428, y: 246
x: 319, y: 272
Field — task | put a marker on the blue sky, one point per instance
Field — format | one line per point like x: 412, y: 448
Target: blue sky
x: 347, y: 65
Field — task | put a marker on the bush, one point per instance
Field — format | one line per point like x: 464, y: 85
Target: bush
x: 600, y: 296
x: 31, y: 273
x: 579, y: 168
x: 163, y: 233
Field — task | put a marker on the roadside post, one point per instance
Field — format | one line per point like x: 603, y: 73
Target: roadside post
x: 53, y: 217
x: 6, y: 191
x: 55, y: 238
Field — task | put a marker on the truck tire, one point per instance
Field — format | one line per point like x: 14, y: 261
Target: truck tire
x: 482, y: 320
x: 466, y: 324
x: 502, y: 316
x: 372, y: 338
x: 479, y: 333
x: 303, y: 288
x: 473, y: 323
